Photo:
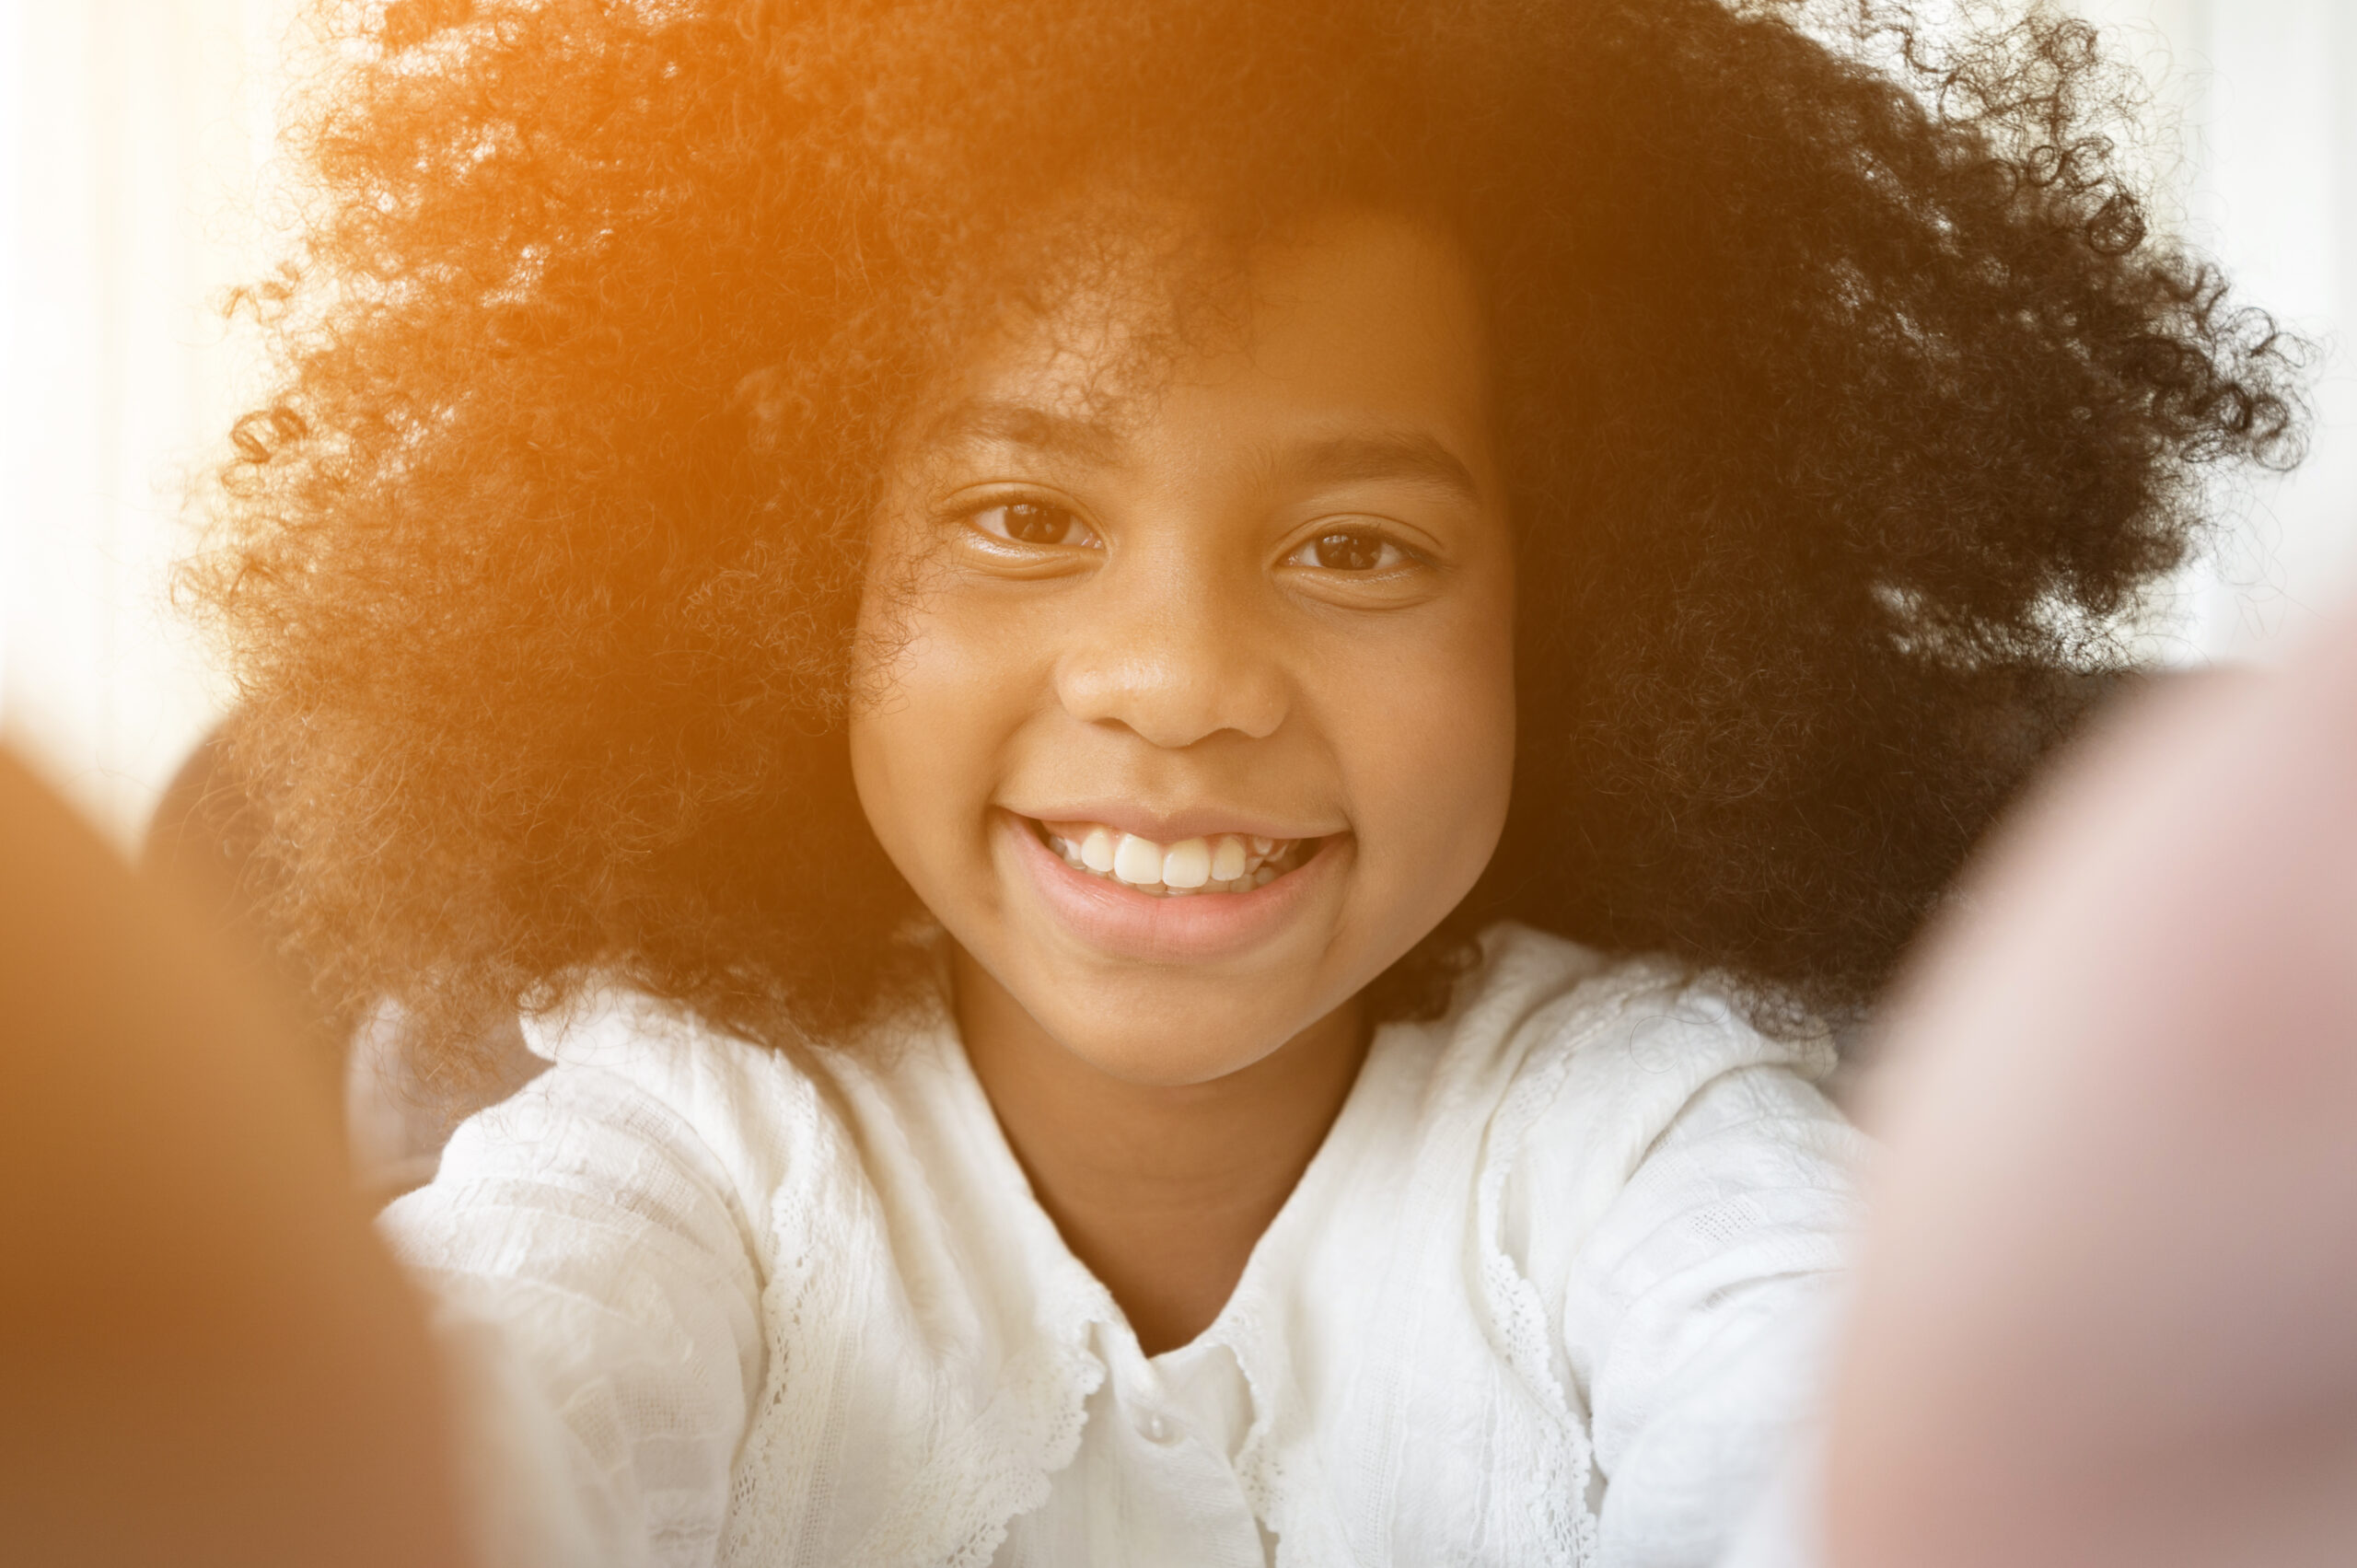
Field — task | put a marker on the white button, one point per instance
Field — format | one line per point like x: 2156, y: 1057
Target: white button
x: 1154, y: 1429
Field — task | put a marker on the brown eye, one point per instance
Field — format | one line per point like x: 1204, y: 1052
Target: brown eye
x: 1349, y: 550
x: 1033, y: 522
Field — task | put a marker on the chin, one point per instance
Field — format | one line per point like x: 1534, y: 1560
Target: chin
x: 1166, y: 1043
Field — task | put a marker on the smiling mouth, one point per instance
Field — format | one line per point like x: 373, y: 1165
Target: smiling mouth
x: 1223, y: 863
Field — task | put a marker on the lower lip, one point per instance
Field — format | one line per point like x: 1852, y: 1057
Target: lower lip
x: 1122, y: 921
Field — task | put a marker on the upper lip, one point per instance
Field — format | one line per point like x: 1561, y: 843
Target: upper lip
x: 1171, y: 827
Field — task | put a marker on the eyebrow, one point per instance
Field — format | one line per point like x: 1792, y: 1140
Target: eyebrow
x: 1344, y: 459
x: 1022, y: 424
x: 1333, y: 460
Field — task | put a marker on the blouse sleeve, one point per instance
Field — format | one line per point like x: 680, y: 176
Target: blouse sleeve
x: 595, y: 1289
x: 1696, y: 1317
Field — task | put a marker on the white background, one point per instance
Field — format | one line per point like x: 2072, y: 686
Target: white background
x: 134, y: 136
x: 135, y: 147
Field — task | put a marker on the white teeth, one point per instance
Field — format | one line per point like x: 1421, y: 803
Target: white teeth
x: 1187, y: 864
x: 1137, y: 861
x: 1227, y: 859
x: 1230, y: 863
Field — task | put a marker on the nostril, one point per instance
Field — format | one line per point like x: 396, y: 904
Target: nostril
x: 1172, y: 700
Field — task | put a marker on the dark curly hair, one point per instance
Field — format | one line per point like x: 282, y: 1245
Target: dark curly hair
x: 1848, y: 401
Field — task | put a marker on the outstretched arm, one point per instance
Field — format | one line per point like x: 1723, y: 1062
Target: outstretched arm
x: 205, y: 1358
x: 2108, y: 1312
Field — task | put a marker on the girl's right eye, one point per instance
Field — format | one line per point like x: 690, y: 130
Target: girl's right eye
x: 1033, y: 522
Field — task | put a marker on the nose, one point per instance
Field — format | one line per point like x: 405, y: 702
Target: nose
x: 1176, y: 654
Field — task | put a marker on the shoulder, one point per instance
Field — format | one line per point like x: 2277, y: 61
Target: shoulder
x: 1591, y: 1066
x: 661, y: 1047
x: 1631, y: 1037
x: 636, y: 1081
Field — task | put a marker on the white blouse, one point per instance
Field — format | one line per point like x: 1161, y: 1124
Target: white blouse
x: 1546, y: 1295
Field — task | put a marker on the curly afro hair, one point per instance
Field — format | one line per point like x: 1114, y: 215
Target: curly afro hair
x: 1849, y: 407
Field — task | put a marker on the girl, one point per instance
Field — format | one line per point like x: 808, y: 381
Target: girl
x: 1167, y: 713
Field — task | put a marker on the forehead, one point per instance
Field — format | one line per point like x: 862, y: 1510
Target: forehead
x: 1362, y: 328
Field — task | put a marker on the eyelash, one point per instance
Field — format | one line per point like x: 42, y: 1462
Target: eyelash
x: 1384, y: 544
x: 1390, y: 553
x: 1008, y: 531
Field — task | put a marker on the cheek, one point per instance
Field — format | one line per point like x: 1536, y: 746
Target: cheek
x: 927, y: 724
x: 905, y: 767
x: 1432, y: 776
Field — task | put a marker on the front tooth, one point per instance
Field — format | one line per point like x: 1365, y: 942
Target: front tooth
x: 1096, y: 850
x: 1262, y: 845
x: 1227, y: 859
x: 1137, y: 861
x: 1187, y: 864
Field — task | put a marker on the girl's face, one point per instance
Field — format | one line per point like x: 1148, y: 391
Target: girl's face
x: 1190, y: 710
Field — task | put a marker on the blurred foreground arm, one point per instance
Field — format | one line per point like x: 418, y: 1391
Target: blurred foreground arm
x: 205, y: 1357
x: 2108, y: 1311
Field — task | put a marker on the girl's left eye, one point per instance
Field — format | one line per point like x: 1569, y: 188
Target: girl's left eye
x: 1349, y: 550
x: 1032, y: 522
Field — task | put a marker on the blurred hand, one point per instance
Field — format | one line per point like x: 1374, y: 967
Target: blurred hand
x: 2109, y: 1310
x: 204, y: 1356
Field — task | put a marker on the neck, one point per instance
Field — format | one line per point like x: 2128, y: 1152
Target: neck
x: 1160, y: 1190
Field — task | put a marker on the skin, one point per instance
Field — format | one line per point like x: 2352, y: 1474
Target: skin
x: 1156, y: 639
x: 2104, y: 1319
x: 209, y: 1359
